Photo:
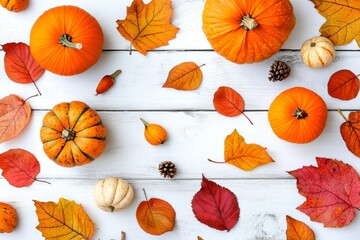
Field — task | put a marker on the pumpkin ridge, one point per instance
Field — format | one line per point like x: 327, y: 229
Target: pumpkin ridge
x: 78, y: 118
x: 96, y: 124
x: 85, y: 154
x: 96, y: 138
x: 61, y: 149
x: 51, y: 140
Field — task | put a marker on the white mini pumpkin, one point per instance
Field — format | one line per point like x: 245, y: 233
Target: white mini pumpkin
x: 113, y: 194
x: 317, y: 52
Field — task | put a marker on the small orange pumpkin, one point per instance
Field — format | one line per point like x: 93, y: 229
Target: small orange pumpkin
x: 298, y: 115
x: 14, y: 5
x: 66, y: 40
x: 247, y: 31
x: 154, y: 133
x: 73, y: 134
x: 8, y: 218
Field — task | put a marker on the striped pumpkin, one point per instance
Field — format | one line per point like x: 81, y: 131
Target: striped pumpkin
x: 317, y: 52
x: 73, y: 134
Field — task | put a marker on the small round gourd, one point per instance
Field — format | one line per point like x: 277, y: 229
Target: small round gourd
x: 14, y: 5
x: 154, y: 133
x: 317, y: 52
x: 8, y: 218
x: 298, y: 115
x: 113, y: 194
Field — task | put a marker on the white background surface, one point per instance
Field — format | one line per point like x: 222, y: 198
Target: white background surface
x: 196, y: 131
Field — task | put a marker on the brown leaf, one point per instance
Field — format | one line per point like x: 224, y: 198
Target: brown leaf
x: 15, y: 115
x: 342, y: 20
x: 148, y: 26
x: 242, y: 155
x: 343, y: 85
x: 184, y: 76
x: 297, y: 230
x: 350, y: 132
x: 199, y: 238
x: 64, y: 220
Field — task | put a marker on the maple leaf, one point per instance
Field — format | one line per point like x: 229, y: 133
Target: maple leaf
x: 155, y: 216
x: 342, y: 20
x: 148, y: 26
x: 184, y: 76
x: 297, y: 230
x: 343, y: 85
x: 332, y: 192
x: 350, y: 132
x: 15, y: 115
x: 63, y: 220
x: 215, y: 206
x: 242, y: 155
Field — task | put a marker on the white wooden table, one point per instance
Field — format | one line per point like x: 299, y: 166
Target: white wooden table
x: 196, y: 131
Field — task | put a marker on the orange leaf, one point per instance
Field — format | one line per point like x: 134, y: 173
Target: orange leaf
x: 297, y: 230
x: 343, y: 85
x: 155, y: 216
x: 185, y: 76
x: 242, y: 155
x: 148, y: 26
x: 350, y: 132
x: 64, y: 220
x: 14, y: 116
x: 200, y: 238
x: 228, y: 102
x: 342, y: 20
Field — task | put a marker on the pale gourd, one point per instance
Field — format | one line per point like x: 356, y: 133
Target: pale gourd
x: 317, y: 52
x: 113, y: 194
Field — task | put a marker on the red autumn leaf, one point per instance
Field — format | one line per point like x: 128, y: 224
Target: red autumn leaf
x: 332, y: 192
x: 350, y: 132
x: 15, y: 115
x: 20, y: 167
x: 215, y: 206
x: 343, y: 85
x: 20, y: 66
x: 228, y: 102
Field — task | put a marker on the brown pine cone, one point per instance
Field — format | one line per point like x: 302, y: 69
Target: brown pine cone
x: 279, y: 70
x: 167, y: 169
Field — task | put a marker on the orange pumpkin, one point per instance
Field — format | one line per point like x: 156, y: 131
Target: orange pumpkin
x: 14, y: 5
x: 298, y: 115
x: 66, y: 40
x: 154, y: 133
x: 73, y: 134
x: 247, y: 31
x: 8, y: 218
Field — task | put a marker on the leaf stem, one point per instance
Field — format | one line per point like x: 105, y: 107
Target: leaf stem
x: 42, y: 181
x: 214, y: 161
x: 247, y: 118
x: 146, y: 198
x: 339, y: 111
x: 36, y: 87
x: 123, y: 235
x: 31, y: 97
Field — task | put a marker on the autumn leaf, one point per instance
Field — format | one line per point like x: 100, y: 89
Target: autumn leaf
x: 297, y: 230
x: 343, y: 85
x: 215, y: 206
x: 155, y: 216
x: 64, y: 220
x: 199, y: 238
x: 350, y: 132
x: 20, y: 66
x: 20, y: 167
x: 148, y: 26
x: 228, y: 102
x: 342, y: 20
x: 15, y: 115
x: 184, y: 76
x: 332, y: 192
x: 242, y: 155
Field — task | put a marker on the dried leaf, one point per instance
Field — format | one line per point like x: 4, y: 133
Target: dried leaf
x: 343, y: 85
x: 350, y: 132
x: 64, y: 220
x: 148, y: 26
x: 19, y: 166
x: 15, y: 115
x: 342, y: 20
x: 297, y: 230
x: 155, y: 216
x: 184, y: 76
x: 242, y: 155
x: 215, y: 206
x: 332, y: 192
x: 200, y: 238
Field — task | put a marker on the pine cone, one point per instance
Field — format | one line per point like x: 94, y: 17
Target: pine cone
x: 279, y: 70
x: 167, y: 169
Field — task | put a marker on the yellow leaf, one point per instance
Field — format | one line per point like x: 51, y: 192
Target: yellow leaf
x: 242, y: 155
x: 148, y: 26
x: 64, y: 220
x: 343, y: 20
x: 184, y: 76
x: 297, y: 230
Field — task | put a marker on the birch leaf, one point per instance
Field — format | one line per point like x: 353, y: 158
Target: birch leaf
x: 184, y: 76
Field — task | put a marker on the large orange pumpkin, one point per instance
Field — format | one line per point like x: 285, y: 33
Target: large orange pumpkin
x: 66, y: 40
x: 73, y: 134
x: 298, y: 115
x: 247, y: 31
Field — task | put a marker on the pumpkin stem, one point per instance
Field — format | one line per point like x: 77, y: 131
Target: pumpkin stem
x: 144, y: 122
x: 115, y: 74
x: 300, y: 114
x: 111, y: 208
x: 339, y: 111
x: 68, y: 134
x: 248, y: 22
x: 312, y: 44
x: 65, y: 40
